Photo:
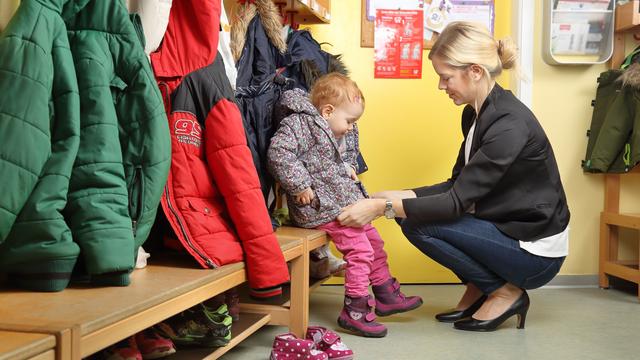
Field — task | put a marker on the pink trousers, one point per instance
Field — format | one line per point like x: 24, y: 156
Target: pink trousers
x: 363, y: 250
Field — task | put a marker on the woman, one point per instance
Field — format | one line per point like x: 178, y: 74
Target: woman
x: 500, y: 223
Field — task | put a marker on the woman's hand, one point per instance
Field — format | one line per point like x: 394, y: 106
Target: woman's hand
x: 394, y: 195
x: 305, y: 196
x: 361, y: 213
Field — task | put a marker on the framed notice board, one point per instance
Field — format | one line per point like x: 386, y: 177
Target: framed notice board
x: 471, y: 10
x: 367, y: 26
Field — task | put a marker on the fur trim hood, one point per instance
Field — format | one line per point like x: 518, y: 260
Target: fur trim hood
x: 631, y: 76
x: 271, y: 21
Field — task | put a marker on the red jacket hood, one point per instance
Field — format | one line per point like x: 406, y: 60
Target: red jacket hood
x: 191, y: 40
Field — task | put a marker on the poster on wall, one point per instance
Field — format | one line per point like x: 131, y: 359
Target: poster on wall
x: 398, y: 44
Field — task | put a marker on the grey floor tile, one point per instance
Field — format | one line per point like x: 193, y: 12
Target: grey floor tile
x: 562, y: 323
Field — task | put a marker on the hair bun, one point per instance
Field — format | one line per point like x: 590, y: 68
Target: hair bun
x: 507, y: 52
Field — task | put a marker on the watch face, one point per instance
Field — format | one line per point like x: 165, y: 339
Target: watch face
x: 389, y: 213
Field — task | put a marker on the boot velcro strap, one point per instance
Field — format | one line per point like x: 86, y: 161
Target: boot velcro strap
x: 396, y: 285
x: 371, y: 302
x: 330, y: 337
x: 370, y: 317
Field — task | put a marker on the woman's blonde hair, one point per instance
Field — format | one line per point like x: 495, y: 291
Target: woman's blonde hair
x: 463, y: 43
x: 335, y: 89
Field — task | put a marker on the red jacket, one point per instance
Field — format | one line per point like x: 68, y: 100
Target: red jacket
x: 212, y: 198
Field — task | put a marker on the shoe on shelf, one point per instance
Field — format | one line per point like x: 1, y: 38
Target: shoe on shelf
x: 390, y: 300
x: 154, y: 346
x: 518, y: 308
x: 219, y: 324
x: 455, y: 315
x: 336, y: 264
x: 290, y: 347
x: 232, y: 299
x: 329, y: 342
x: 126, y: 349
x: 182, y: 331
x: 318, y: 265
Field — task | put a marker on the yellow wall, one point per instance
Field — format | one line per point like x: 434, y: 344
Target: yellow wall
x: 7, y: 7
x: 410, y: 136
x: 561, y: 100
x: 410, y: 131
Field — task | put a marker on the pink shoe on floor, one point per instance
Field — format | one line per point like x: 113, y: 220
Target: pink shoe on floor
x: 289, y: 347
x: 329, y: 342
x: 390, y: 300
x: 357, y: 316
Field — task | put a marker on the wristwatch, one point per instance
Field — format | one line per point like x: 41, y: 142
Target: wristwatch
x: 389, y: 213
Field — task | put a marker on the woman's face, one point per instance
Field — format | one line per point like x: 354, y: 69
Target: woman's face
x: 454, y: 81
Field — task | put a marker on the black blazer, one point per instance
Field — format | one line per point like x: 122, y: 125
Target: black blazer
x: 512, y: 175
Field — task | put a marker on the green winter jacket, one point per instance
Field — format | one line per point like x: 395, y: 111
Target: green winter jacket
x: 39, y: 128
x: 125, y: 153
x: 614, y: 136
x: 123, y: 159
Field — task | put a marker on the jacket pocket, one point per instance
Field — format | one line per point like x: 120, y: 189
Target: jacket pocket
x: 201, y: 207
x: 118, y: 88
x: 136, y: 198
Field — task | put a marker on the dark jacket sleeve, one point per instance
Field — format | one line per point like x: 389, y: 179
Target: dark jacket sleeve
x: 499, y: 148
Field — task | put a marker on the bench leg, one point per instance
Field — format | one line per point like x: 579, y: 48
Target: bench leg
x: 299, y: 310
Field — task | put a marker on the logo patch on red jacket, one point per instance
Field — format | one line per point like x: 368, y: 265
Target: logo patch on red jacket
x: 188, y: 132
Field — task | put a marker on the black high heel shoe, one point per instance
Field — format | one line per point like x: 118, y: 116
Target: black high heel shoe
x: 455, y: 315
x: 519, y: 308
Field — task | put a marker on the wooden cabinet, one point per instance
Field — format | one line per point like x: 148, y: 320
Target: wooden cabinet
x: 305, y: 11
x: 577, y: 32
x: 611, y: 219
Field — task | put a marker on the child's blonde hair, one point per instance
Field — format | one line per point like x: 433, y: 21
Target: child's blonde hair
x: 335, y: 89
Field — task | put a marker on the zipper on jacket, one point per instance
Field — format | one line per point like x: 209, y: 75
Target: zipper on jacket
x: 135, y: 199
x: 184, y: 233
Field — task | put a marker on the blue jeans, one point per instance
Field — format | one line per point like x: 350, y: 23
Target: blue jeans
x: 477, y: 252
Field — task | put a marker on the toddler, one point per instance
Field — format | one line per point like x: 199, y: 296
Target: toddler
x: 313, y: 156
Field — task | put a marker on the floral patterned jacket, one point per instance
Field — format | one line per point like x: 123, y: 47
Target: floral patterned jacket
x: 304, y: 153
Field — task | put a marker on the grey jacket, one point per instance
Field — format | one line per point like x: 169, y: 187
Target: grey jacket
x: 304, y: 153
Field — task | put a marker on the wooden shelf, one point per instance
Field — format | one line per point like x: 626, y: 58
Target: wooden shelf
x: 22, y: 345
x: 306, y: 11
x: 84, y: 320
x: 631, y: 221
x: 314, y: 238
x: 628, y: 16
x: 248, y: 324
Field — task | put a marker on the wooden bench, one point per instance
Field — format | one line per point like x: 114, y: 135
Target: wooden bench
x: 91, y: 319
x: 26, y: 346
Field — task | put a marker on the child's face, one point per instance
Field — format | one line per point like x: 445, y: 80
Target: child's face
x: 341, y: 118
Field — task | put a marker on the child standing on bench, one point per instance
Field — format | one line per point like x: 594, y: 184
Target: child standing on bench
x: 313, y: 156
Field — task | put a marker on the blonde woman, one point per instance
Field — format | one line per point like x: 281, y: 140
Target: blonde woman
x: 500, y: 223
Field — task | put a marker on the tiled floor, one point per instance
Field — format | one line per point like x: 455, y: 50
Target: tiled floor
x: 562, y: 323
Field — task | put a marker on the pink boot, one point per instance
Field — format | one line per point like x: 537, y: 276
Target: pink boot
x: 357, y: 316
x: 390, y: 300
